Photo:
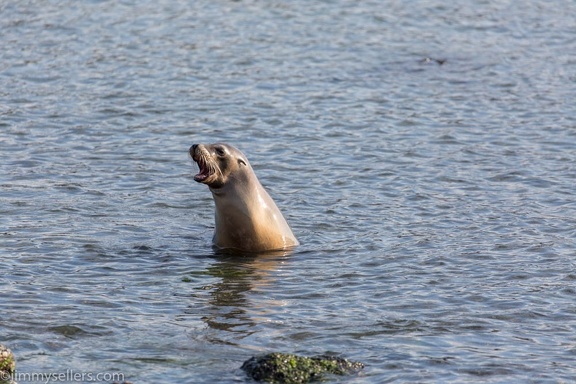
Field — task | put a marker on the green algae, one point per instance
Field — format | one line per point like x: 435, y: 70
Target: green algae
x: 7, y: 364
x: 292, y: 369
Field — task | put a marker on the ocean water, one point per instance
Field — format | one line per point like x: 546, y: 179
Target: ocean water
x: 424, y: 153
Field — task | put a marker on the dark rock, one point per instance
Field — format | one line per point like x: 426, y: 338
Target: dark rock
x: 292, y: 369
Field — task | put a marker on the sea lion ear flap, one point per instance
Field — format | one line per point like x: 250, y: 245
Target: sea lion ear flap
x: 240, y: 161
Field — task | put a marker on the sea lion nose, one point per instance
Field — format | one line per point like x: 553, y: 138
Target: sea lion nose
x: 193, y: 149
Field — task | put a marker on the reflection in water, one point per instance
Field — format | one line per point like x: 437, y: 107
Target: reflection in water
x: 228, y: 308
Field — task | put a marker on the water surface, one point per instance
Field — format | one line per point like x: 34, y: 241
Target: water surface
x: 424, y: 154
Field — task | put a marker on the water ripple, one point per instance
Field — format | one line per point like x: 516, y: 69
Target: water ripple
x: 422, y: 152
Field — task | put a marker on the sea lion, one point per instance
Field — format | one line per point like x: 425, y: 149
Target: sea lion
x: 247, y: 219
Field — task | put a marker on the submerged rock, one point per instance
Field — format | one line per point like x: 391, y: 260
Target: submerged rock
x: 292, y: 369
x: 7, y: 364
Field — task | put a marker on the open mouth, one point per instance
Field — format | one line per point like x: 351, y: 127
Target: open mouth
x: 201, y: 158
x: 203, y: 174
x: 205, y: 171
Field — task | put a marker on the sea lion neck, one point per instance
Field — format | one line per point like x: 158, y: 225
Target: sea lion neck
x: 239, y: 187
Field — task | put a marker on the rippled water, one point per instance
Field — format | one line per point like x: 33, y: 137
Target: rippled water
x: 424, y: 153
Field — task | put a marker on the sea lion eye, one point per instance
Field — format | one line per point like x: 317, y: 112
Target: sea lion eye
x: 220, y: 151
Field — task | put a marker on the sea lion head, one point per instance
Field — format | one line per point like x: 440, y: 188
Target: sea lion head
x: 218, y: 163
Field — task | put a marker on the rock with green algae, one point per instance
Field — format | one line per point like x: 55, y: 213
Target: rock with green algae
x: 7, y: 364
x: 292, y: 369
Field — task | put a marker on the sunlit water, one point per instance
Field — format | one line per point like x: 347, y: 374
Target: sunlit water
x: 424, y: 153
